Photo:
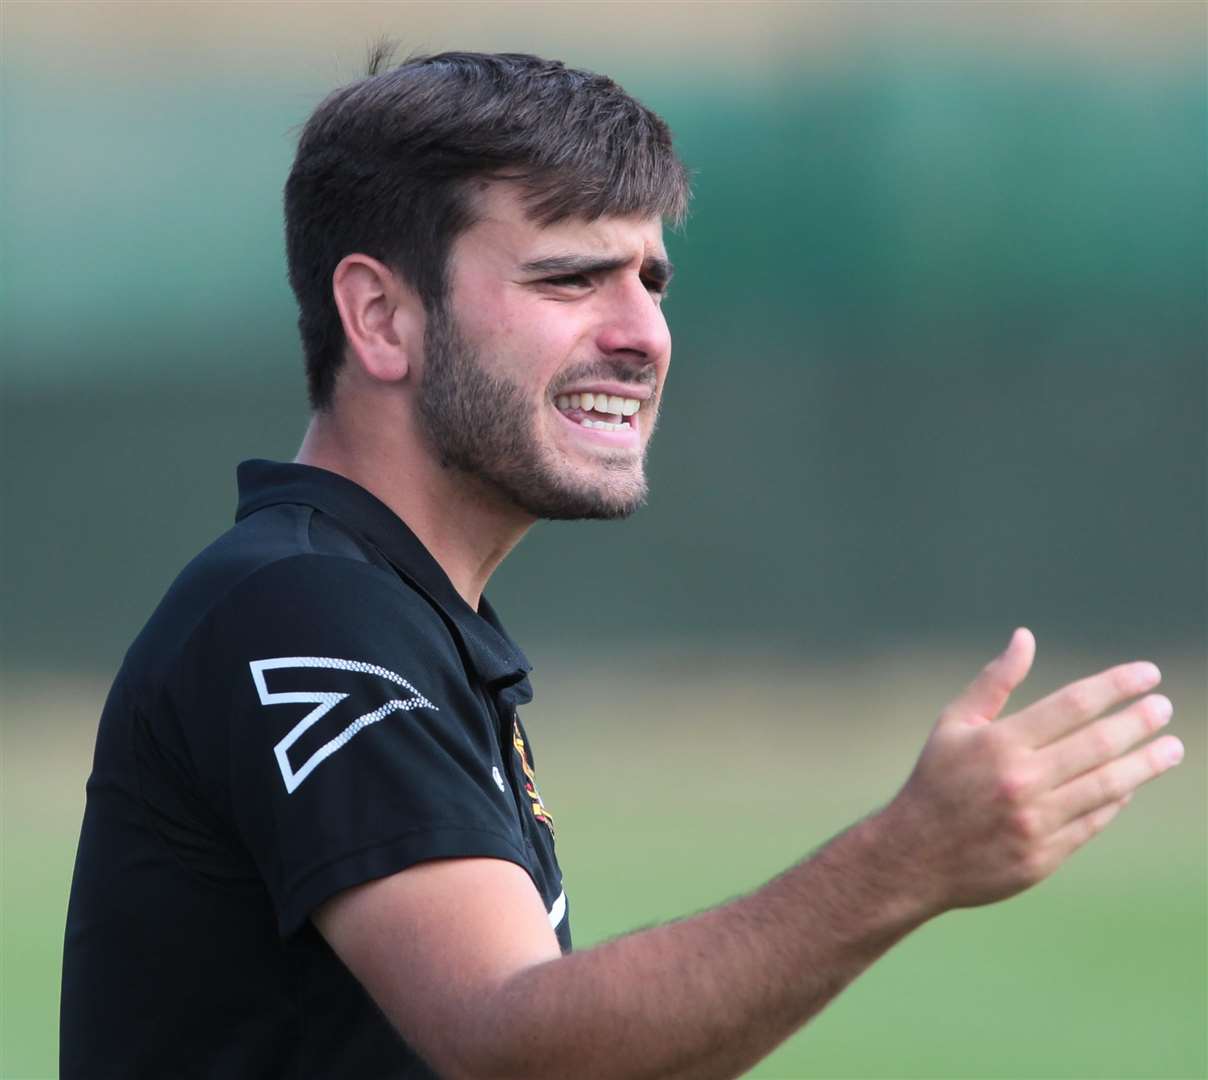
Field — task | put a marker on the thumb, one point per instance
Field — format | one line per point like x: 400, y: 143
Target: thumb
x: 983, y: 699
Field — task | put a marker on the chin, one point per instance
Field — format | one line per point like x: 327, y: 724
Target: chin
x: 598, y: 511
x: 562, y: 502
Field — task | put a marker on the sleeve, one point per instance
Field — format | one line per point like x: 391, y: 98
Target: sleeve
x: 355, y: 744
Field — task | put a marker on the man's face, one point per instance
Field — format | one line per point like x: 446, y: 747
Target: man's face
x: 543, y: 374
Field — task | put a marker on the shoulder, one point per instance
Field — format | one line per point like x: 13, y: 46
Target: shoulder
x: 325, y: 606
x: 306, y: 586
x: 286, y: 576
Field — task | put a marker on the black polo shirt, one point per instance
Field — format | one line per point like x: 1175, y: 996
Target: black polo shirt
x: 311, y: 706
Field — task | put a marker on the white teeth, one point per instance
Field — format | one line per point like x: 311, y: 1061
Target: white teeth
x: 602, y: 404
x: 604, y: 425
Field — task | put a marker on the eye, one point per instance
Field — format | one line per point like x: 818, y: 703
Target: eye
x: 656, y: 288
x: 568, y: 281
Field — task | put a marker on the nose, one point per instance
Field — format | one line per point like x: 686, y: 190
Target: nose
x: 633, y: 323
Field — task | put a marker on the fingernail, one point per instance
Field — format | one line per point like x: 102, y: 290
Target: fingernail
x: 1147, y: 674
x: 1162, y: 709
x: 1173, y: 752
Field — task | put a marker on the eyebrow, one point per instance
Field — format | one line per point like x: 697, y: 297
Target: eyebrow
x: 655, y: 267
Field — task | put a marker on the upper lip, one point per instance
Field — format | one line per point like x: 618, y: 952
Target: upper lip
x: 612, y: 389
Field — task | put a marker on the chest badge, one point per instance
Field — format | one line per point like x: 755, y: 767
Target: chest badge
x: 530, y: 781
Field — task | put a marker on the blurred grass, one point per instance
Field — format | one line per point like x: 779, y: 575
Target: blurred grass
x: 680, y: 780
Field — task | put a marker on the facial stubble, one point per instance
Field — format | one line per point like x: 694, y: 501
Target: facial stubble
x: 481, y: 423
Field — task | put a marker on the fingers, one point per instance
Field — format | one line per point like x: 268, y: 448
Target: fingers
x: 1101, y: 742
x: 1073, y: 835
x: 1114, y: 781
x: 1074, y: 705
x: 983, y: 699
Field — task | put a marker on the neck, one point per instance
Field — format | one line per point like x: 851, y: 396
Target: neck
x: 465, y: 525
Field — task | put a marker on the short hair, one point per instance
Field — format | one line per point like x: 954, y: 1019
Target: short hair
x: 384, y: 167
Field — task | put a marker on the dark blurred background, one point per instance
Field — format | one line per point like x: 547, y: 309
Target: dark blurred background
x: 940, y: 325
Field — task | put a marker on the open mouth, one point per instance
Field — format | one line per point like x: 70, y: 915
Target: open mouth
x: 606, y: 412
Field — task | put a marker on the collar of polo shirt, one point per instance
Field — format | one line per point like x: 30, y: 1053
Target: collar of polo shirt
x: 496, y: 658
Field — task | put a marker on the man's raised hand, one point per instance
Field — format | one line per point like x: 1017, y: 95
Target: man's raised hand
x: 992, y: 806
x: 995, y: 805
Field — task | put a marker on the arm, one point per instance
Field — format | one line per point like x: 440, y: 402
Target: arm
x: 460, y: 955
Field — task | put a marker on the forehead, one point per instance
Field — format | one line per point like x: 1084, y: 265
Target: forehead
x: 504, y: 234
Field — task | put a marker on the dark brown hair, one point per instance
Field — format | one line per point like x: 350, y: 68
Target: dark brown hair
x: 384, y: 164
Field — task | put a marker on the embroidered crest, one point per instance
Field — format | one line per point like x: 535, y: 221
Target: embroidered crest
x: 530, y: 781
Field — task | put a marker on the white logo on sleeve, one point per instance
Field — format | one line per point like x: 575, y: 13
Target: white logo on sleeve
x: 324, y: 701
x: 557, y: 911
x: 498, y: 777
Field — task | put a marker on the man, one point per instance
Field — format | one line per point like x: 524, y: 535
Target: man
x: 314, y: 843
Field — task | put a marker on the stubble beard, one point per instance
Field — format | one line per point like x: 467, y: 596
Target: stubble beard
x: 481, y: 424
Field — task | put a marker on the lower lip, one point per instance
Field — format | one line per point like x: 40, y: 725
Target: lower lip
x: 625, y: 438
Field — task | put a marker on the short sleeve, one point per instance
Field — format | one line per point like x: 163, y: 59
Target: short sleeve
x: 353, y: 742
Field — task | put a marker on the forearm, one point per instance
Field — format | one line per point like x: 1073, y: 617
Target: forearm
x: 460, y: 953
x: 707, y: 996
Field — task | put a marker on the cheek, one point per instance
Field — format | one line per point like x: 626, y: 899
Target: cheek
x: 532, y: 353
x: 525, y: 339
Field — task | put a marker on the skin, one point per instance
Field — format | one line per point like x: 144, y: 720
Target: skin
x: 994, y: 804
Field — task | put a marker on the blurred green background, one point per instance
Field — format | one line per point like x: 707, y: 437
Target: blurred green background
x: 940, y: 370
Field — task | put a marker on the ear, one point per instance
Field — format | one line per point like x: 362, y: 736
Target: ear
x: 382, y: 317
